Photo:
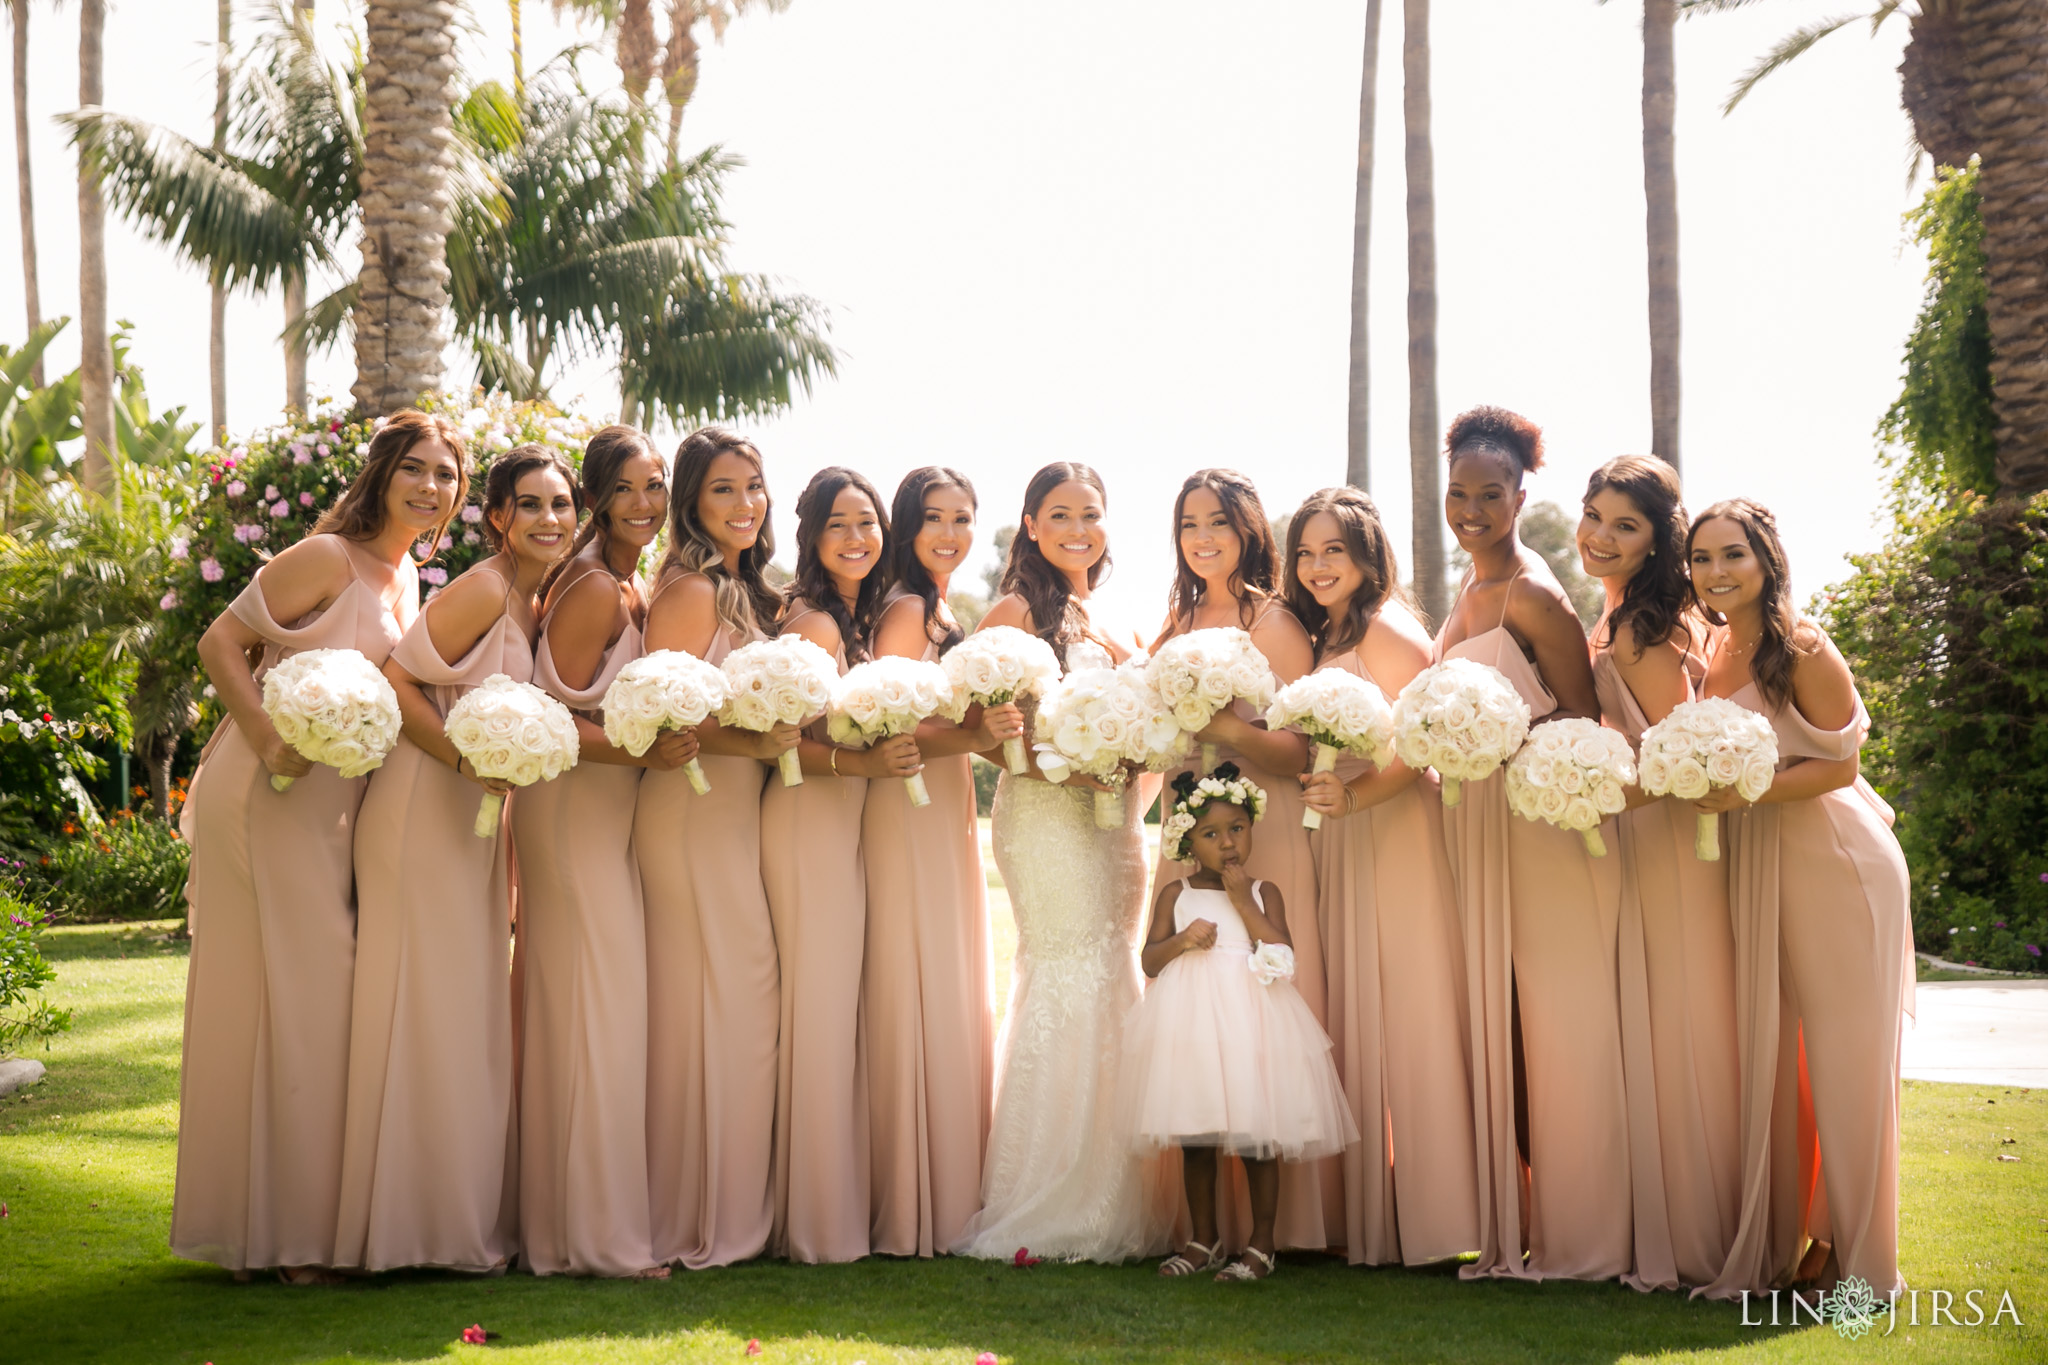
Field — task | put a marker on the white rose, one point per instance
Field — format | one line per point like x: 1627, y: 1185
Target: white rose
x: 1724, y: 769
x: 1610, y: 797
x: 1571, y: 779
x: 1689, y: 779
x: 1581, y: 814
x: 1552, y: 804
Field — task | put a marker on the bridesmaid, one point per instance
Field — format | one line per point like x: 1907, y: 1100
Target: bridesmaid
x: 1226, y: 574
x: 583, y: 1072
x: 1392, y: 949
x: 927, y: 996
x: 1677, y: 952
x: 1539, y: 915
x: 429, y: 1168
x: 265, y: 1071
x: 713, y: 985
x: 817, y: 891
x: 1823, y: 939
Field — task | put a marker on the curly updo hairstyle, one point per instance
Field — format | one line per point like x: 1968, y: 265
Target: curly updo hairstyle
x: 1507, y: 436
x: 501, y: 484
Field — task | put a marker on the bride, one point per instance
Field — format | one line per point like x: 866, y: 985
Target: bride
x: 1059, y: 1178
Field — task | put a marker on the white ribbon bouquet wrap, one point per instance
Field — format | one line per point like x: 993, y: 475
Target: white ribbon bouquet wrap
x: 999, y: 665
x: 1462, y: 718
x: 1572, y: 774
x: 669, y: 689
x: 890, y: 696
x: 1203, y: 671
x: 784, y: 681
x: 1096, y: 720
x: 1706, y: 744
x: 334, y: 707
x: 1341, y: 713
x: 511, y: 732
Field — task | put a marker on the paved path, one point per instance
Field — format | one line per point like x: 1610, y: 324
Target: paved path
x: 1983, y: 1033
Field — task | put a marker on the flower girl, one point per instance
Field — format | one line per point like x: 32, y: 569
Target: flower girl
x: 1222, y: 1054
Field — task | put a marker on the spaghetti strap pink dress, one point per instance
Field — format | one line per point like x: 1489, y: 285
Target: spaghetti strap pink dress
x: 1677, y: 979
x: 816, y: 879
x: 268, y: 989
x: 927, y: 1008
x: 1540, y: 922
x: 713, y: 1006
x: 1823, y: 976
x: 429, y: 1170
x: 583, y: 1069
x: 1395, y: 959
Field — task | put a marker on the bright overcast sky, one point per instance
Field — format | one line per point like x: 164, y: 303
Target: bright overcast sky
x: 1120, y: 232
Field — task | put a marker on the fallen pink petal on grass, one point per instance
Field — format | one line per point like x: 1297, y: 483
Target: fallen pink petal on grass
x: 475, y: 1335
x: 986, y: 1358
x: 753, y: 1346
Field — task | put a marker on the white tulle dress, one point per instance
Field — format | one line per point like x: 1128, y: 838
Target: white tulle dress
x: 1214, y: 1058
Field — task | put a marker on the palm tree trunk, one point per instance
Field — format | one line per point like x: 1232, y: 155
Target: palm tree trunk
x: 1357, y: 462
x: 679, y: 67
x: 1424, y: 484
x: 294, y: 346
x: 31, y: 294
x: 218, y: 335
x: 96, y: 359
x: 2005, y: 58
x: 518, y: 55
x: 408, y: 152
x: 1660, y: 190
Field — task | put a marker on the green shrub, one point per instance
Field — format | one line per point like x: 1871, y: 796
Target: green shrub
x: 24, y: 1016
x: 45, y: 766
x: 130, y: 868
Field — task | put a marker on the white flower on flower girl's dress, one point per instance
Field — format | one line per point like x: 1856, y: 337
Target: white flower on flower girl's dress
x: 1272, y: 962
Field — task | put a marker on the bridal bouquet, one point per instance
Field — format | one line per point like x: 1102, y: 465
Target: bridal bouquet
x: 1463, y: 719
x: 889, y: 697
x: 1097, y: 720
x: 1706, y: 744
x: 1571, y: 774
x: 785, y: 681
x: 511, y: 732
x: 1203, y: 671
x: 334, y: 707
x: 669, y: 689
x: 1342, y: 713
x: 998, y: 665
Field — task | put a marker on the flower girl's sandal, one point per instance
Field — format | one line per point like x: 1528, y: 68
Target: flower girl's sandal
x: 1181, y: 1264
x: 1253, y: 1265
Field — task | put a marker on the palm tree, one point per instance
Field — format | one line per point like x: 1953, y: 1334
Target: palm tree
x: 218, y: 334
x: 96, y: 365
x: 1974, y: 81
x: 679, y: 57
x: 1660, y: 193
x: 1357, y: 464
x: 31, y: 292
x: 1425, y: 495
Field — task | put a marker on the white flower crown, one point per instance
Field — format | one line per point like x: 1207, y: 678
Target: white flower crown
x: 1237, y: 791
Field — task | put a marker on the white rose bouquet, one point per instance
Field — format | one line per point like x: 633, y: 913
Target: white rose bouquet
x: 1706, y: 744
x: 785, y: 681
x: 998, y: 665
x: 1342, y: 713
x: 669, y: 689
x: 511, y: 732
x: 889, y: 697
x: 1097, y: 720
x: 1572, y: 774
x: 1463, y: 719
x: 334, y: 707
x: 1203, y: 671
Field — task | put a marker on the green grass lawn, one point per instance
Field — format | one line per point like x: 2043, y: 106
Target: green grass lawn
x: 86, y: 1164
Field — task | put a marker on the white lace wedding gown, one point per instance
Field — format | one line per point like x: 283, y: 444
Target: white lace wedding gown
x: 1059, y: 1177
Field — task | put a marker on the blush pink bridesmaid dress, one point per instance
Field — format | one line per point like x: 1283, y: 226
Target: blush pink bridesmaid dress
x: 1540, y: 920
x: 429, y: 1170
x: 1823, y: 978
x: 812, y: 868
x: 1677, y: 979
x: 583, y: 1068
x: 714, y: 1005
x: 264, y: 1079
x: 927, y: 1010
x: 1395, y: 958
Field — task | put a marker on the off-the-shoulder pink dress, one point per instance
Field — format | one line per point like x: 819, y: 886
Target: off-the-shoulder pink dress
x: 1677, y: 979
x: 429, y: 1171
x: 713, y: 1005
x: 1823, y: 976
x: 1395, y: 957
x: 268, y: 990
x: 817, y: 894
x: 583, y: 1070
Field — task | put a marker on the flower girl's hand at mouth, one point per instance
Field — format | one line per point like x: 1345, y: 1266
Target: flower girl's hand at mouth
x: 1199, y: 935
x: 671, y: 750
x: 1237, y: 882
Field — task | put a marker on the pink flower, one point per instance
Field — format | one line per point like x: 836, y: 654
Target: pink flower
x: 1024, y: 1260
x: 986, y: 1358
x: 434, y: 574
x: 181, y: 547
x: 306, y: 499
x: 447, y: 543
x: 169, y: 601
x: 473, y: 514
x: 247, y: 532
x: 326, y: 449
x: 209, y: 569
x: 2034, y: 948
x: 270, y: 493
x: 280, y: 508
x: 753, y: 1346
x: 300, y: 455
x: 470, y: 537
x: 475, y: 1335
x: 236, y: 488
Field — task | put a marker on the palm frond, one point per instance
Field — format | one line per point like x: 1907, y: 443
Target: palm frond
x: 324, y: 322
x: 734, y: 349
x: 1791, y: 46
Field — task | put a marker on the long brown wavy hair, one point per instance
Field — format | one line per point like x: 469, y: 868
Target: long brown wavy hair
x: 1031, y: 576
x: 746, y: 600
x: 501, y: 483
x: 907, y: 515
x: 603, y: 458
x: 1252, y: 581
x: 359, y: 514
x: 1779, y: 650
x: 1653, y: 604
x: 812, y: 586
x: 1365, y: 540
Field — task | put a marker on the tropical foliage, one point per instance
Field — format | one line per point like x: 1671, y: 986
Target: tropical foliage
x: 24, y: 1016
x: 130, y: 867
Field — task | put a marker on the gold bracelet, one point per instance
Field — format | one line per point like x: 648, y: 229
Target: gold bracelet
x: 1350, y: 799
x: 833, y: 760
